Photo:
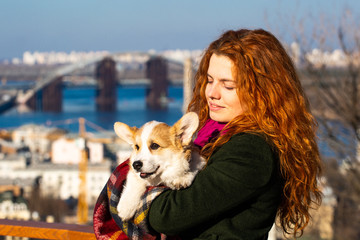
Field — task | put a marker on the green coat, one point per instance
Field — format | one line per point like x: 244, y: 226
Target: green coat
x: 235, y: 197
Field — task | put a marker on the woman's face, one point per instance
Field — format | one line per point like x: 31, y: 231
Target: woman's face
x: 220, y: 91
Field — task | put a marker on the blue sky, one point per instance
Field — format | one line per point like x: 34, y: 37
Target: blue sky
x: 129, y: 25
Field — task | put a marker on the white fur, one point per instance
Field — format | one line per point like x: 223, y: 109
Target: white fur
x: 167, y: 165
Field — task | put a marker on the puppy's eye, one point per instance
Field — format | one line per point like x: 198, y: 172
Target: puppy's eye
x: 136, y: 147
x: 154, y: 146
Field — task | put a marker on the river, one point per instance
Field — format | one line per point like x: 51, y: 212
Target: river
x: 80, y: 102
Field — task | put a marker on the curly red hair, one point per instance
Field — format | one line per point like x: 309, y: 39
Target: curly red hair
x: 269, y: 87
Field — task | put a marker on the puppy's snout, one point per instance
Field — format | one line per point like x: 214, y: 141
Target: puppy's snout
x: 137, y: 165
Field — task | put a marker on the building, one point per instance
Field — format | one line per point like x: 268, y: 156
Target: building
x: 13, y: 206
x: 69, y: 151
x: 62, y: 180
x: 9, y: 163
x: 37, y: 137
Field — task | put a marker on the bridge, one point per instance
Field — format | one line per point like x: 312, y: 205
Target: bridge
x: 155, y: 71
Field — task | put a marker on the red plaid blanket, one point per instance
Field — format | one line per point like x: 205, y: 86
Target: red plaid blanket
x: 108, y: 225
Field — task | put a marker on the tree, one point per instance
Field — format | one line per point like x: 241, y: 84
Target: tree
x: 46, y: 205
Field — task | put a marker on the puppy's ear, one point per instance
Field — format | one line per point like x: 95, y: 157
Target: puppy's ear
x: 125, y: 132
x: 186, y: 127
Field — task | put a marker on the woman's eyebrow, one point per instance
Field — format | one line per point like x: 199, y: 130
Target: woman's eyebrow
x: 222, y: 79
x: 227, y: 80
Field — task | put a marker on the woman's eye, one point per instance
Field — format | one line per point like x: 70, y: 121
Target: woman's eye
x: 154, y: 146
x: 137, y: 147
x: 229, y: 88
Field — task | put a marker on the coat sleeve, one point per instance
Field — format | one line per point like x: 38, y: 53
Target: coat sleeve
x: 235, y: 174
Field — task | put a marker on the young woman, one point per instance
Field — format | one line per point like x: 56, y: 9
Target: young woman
x: 258, y: 137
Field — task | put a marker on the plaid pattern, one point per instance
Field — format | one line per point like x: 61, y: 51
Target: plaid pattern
x: 109, y: 226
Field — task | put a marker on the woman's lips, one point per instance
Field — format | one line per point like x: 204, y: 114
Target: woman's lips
x: 215, y: 107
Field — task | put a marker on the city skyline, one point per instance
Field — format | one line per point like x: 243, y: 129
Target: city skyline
x: 142, y: 25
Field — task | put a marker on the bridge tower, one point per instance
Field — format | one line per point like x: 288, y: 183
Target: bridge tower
x: 106, y: 89
x: 49, y: 98
x: 157, y: 93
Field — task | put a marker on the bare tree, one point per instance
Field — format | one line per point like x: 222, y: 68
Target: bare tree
x: 46, y: 205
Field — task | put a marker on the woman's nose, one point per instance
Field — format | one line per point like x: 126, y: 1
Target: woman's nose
x: 214, y: 91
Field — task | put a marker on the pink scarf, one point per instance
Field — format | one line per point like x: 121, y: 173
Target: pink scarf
x: 208, y: 132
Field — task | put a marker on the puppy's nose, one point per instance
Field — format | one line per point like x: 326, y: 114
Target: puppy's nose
x: 137, y: 165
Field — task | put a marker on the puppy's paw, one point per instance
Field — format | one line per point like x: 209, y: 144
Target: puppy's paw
x: 182, y: 182
x: 126, y: 210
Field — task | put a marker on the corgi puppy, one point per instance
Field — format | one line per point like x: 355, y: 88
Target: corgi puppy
x: 162, y: 155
